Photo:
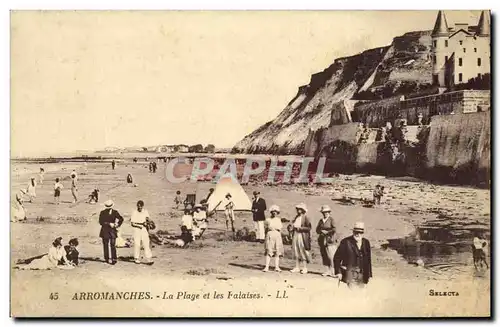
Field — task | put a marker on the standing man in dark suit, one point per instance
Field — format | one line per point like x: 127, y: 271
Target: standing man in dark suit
x: 110, y: 220
x: 258, y: 210
x: 352, y: 261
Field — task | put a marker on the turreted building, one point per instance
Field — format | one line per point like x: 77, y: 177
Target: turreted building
x: 460, y: 53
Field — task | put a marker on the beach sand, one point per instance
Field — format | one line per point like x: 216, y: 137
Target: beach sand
x: 218, y: 264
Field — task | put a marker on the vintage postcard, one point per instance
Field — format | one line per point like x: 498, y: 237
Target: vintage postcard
x: 250, y: 163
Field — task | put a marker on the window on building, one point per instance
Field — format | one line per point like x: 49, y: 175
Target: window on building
x: 460, y: 77
x: 446, y: 43
x: 434, y: 43
x: 434, y: 59
x: 445, y: 58
x: 461, y: 42
x: 475, y: 49
x: 479, y: 61
x: 460, y: 61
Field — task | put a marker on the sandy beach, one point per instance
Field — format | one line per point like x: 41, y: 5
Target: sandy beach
x: 218, y: 264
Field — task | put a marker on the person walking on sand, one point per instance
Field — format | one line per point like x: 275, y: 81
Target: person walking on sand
x: 41, y: 176
x: 377, y: 193
x: 138, y: 221
x: 258, y: 210
x: 109, y: 219
x: 31, y: 189
x: 57, y: 191
x: 301, y: 239
x: 274, y: 242
x: 130, y: 180
x: 74, y: 188
x: 326, y: 239
x: 113, y: 164
x: 352, y: 261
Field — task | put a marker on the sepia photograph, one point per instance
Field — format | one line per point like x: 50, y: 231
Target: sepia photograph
x: 256, y: 164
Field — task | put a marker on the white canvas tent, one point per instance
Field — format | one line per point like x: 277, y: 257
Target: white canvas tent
x: 225, y: 185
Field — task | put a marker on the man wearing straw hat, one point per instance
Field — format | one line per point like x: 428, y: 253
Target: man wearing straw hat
x: 109, y: 219
x: 352, y: 261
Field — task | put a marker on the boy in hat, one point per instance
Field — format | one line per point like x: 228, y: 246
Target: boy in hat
x: 57, y: 190
x: 352, y: 261
x: 109, y: 219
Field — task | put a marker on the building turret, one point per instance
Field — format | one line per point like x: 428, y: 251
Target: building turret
x: 440, y: 49
x: 441, y: 25
x: 483, y: 27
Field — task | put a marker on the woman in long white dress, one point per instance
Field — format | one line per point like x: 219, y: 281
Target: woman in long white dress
x: 18, y: 211
x: 301, y: 239
x: 51, y: 260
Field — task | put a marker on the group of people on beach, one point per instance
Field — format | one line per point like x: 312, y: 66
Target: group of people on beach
x: 19, y: 210
x: 350, y: 260
x: 58, y: 256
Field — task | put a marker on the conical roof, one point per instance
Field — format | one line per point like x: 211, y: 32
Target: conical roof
x: 441, y: 26
x: 228, y: 184
x: 483, y: 27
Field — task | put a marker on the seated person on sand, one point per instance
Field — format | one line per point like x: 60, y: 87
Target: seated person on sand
x: 94, y: 196
x: 51, y: 260
x: 187, y: 226
x: 72, y: 253
x: 130, y: 180
x: 199, y: 221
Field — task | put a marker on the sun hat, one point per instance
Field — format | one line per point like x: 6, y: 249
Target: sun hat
x: 301, y: 206
x: 109, y: 203
x: 274, y: 208
x: 359, y: 227
x: 325, y: 208
x: 198, y: 205
x: 256, y: 192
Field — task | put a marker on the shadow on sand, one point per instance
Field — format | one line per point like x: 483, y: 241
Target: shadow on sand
x: 259, y: 267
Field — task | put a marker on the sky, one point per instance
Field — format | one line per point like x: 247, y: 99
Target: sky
x: 86, y: 80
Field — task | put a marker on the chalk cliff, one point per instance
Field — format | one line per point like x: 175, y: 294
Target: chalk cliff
x: 399, y: 68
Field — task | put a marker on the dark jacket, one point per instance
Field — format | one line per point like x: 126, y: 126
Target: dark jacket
x: 72, y: 255
x: 105, y: 218
x: 305, y: 230
x: 353, y: 259
x: 329, y: 227
x: 258, y: 209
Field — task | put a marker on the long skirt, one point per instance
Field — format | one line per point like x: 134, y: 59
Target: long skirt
x: 274, y: 243
x: 39, y: 264
x: 327, y: 252
x: 299, y: 250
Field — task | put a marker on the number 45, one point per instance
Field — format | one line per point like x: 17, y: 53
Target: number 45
x: 54, y: 296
